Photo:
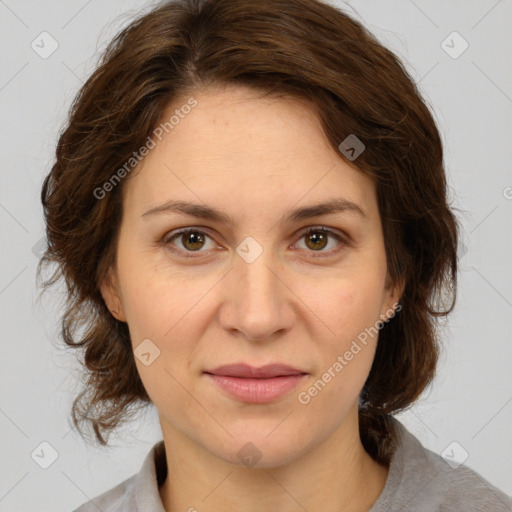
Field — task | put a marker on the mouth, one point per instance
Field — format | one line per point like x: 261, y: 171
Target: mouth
x: 250, y: 384
x: 243, y: 370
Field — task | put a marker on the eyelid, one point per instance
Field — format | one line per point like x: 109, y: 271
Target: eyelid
x: 343, y: 238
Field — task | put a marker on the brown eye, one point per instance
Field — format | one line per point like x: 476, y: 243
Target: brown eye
x: 191, y: 240
x: 317, y: 239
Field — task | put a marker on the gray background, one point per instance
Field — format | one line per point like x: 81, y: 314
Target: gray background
x: 471, y: 96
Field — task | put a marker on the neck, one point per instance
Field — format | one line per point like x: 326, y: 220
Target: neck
x: 336, y: 475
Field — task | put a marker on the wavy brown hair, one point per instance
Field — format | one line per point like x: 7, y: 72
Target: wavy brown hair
x: 300, y: 48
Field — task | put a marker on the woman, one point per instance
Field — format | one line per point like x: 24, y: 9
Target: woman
x: 249, y: 209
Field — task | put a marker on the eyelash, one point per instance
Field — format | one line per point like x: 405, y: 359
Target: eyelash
x: 315, y: 229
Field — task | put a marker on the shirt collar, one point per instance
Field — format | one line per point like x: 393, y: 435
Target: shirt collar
x: 147, y: 482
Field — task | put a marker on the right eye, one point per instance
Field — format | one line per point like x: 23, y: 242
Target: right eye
x: 191, y: 239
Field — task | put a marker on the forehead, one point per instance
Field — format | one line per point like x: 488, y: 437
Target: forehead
x: 237, y: 147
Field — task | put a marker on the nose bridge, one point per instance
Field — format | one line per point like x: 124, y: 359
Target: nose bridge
x: 256, y: 278
x: 259, y: 296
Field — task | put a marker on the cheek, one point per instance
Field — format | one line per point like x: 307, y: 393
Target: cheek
x: 163, y: 310
x: 347, y: 304
x: 345, y: 356
x: 171, y: 310
x: 155, y: 297
x: 350, y: 307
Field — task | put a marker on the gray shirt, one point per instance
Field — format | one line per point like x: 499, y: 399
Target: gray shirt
x: 419, y: 480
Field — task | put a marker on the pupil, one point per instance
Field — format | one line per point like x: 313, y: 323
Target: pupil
x: 193, y: 239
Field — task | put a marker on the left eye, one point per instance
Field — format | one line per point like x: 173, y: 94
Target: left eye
x: 193, y: 240
x: 318, y: 238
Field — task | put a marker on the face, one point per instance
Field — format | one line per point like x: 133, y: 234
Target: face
x: 259, y: 286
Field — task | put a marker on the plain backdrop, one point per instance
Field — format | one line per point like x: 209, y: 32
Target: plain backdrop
x: 466, y: 413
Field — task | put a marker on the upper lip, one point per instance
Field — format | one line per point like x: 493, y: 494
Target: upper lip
x: 247, y: 371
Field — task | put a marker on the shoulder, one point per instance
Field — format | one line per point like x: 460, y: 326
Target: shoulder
x: 113, y: 500
x: 139, y: 493
x: 461, y: 488
x: 422, y: 480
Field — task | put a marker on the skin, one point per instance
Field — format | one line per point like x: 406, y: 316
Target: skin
x: 255, y: 159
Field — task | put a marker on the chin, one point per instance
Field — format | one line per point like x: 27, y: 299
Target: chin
x: 260, y: 450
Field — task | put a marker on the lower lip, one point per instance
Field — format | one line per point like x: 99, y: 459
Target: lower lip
x: 257, y: 391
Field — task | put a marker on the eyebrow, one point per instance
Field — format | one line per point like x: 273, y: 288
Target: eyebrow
x: 337, y: 205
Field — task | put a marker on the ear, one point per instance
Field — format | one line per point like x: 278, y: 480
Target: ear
x: 391, y: 303
x: 109, y: 287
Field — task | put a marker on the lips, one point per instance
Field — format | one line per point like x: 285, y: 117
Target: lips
x: 252, y: 385
x: 251, y: 372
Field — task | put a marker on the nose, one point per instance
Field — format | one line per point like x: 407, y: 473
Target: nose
x: 258, y: 303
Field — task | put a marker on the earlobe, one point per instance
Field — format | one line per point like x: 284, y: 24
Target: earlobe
x: 109, y: 291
